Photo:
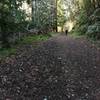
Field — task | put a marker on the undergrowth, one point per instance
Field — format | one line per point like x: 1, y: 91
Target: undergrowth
x: 4, y: 52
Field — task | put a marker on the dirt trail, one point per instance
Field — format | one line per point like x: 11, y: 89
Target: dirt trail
x: 62, y: 68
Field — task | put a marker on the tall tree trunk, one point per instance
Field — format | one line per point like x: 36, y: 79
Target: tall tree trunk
x: 56, y: 17
x: 34, y: 12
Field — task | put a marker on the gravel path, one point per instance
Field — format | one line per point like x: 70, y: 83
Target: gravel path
x: 62, y: 68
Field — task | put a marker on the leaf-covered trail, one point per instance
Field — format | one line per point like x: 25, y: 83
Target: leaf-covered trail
x: 62, y: 68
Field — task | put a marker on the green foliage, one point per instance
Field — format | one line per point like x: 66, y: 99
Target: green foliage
x: 61, y: 18
x: 81, y: 29
x: 26, y: 40
x: 82, y: 23
x: 76, y: 34
x: 30, y: 39
x: 7, y: 51
x: 82, y: 18
x: 94, y: 31
x: 94, y: 28
x: 86, y: 19
x: 44, y: 14
x: 12, y: 19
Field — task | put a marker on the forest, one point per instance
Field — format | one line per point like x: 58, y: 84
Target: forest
x: 21, y: 17
x: 49, y: 49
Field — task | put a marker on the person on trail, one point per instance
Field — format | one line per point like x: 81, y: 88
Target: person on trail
x: 66, y: 31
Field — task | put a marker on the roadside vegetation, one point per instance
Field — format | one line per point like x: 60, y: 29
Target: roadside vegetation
x: 4, y: 52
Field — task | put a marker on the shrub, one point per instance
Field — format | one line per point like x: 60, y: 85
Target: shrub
x: 94, y: 31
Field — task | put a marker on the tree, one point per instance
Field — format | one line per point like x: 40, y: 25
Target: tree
x: 44, y: 14
x: 10, y: 18
x: 62, y: 18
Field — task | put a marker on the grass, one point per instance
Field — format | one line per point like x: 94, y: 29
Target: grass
x: 4, y: 52
x: 7, y: 51
x: 36, y: 38
x: 76, y: 34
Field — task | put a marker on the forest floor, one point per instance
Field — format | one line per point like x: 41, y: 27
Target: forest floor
x: 61, y: 68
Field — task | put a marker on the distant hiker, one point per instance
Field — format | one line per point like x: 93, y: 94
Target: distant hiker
x: 66, y: 31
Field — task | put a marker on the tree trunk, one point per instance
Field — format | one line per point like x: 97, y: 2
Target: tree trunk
x: 56, y: 17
